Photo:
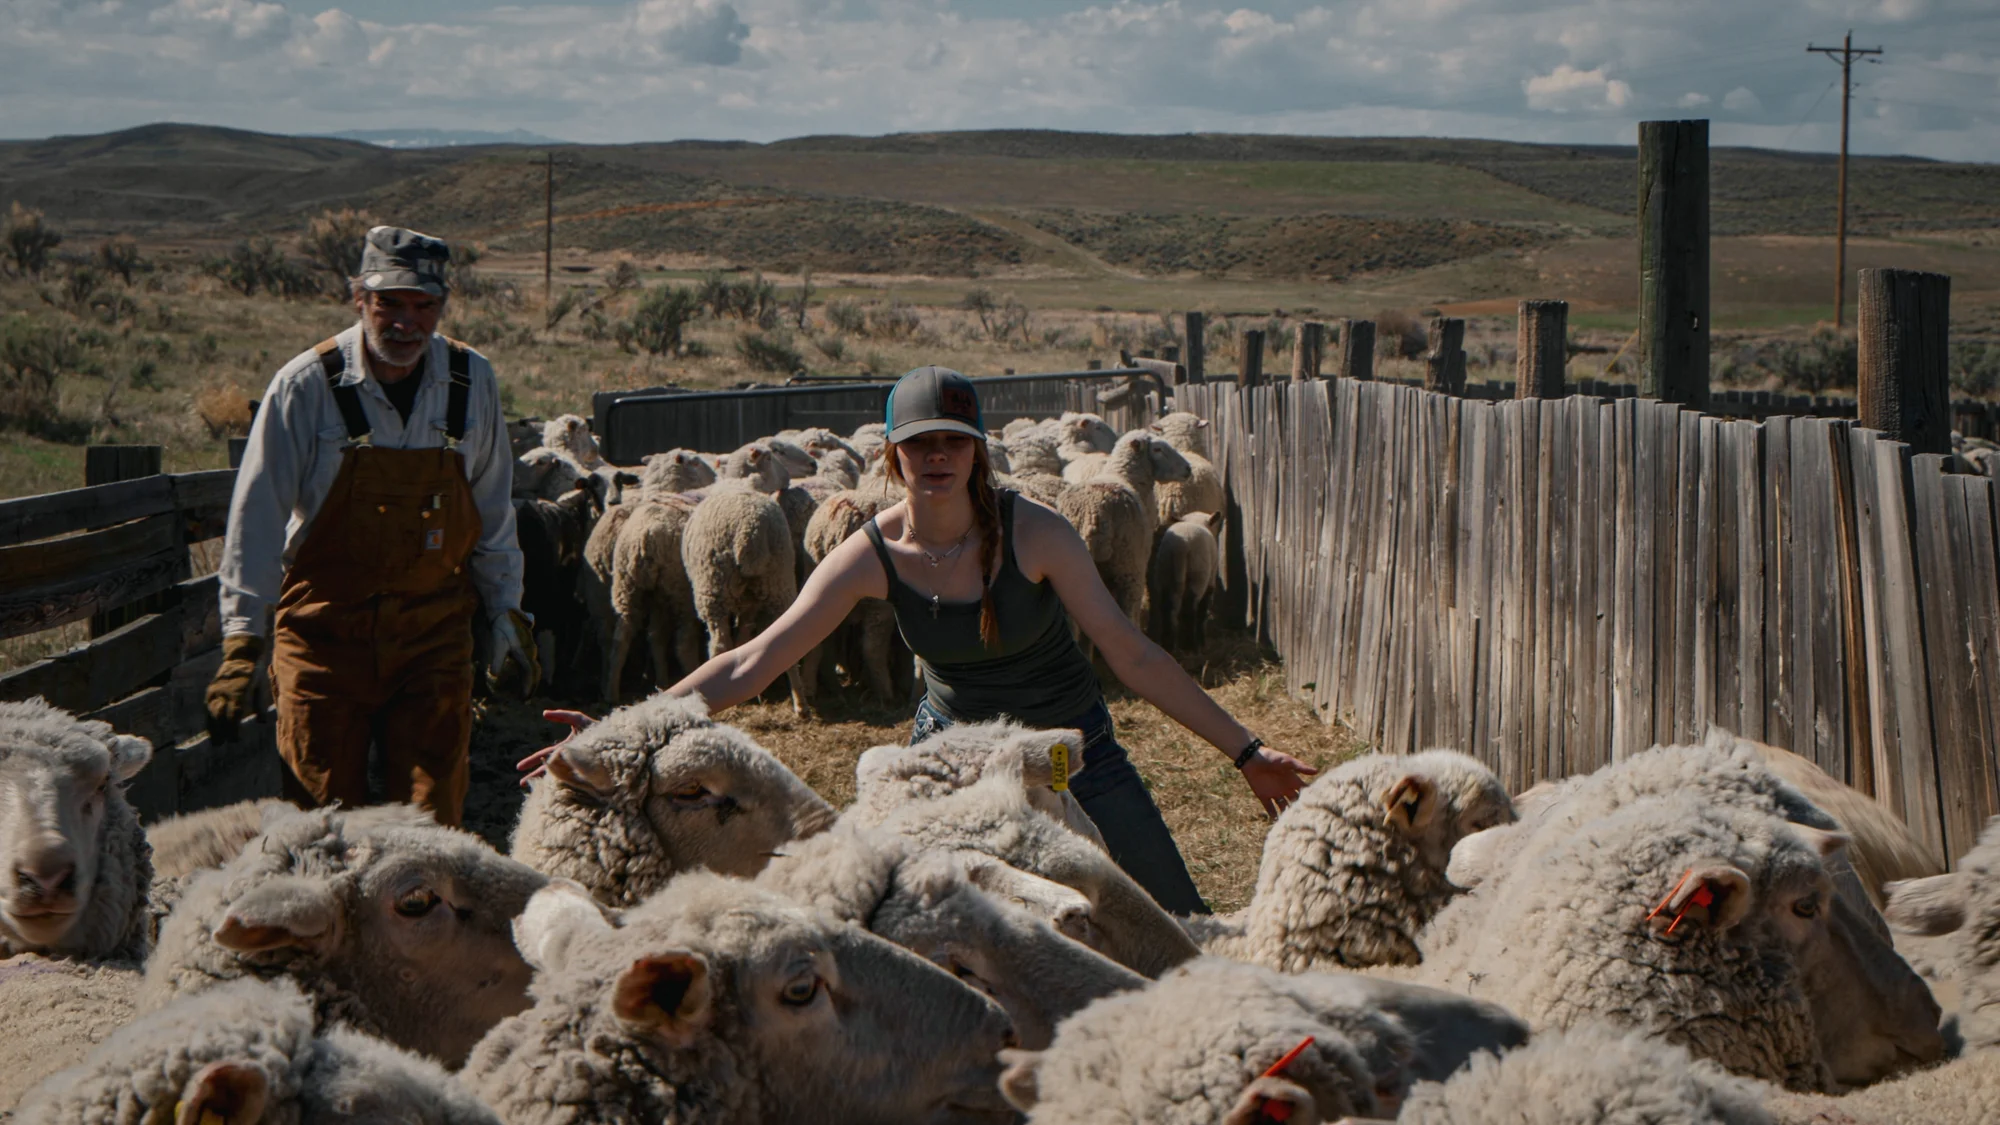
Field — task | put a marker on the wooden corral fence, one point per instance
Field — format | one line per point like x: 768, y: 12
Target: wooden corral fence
x: 118, y: 555
x: 1553, y: 584
x: 630, y: 426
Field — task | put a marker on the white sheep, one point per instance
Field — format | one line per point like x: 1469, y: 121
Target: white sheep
x: 994, y: 816
x: 1591, y: 1075
x: 888, y: 777
x: 1116, y: 515
x: 1355, y: 868
x: 742, y: 559
x: 1873, y: 1014
x: 676, y: 470
x: 1963, y: 908
x: 1079, y: 433
x: 1202, y: 491
x: 1021, y: 427
x: 197, y: 841
x: 1034, y: 453
x: 400, y: 929
x: 869, y: 439
x: 656, y: 788
x: 651, y: 593
x: 1679, y: 916
x: 719, y: 1003
x: 76, y: 864
x: 1045, y: 489
x: 937, y: 905
x: 998, y: 455
x: 1964, y: 1091
x: 568, y: 454
x: 1080, y: 467
x: 248, y: 1053
x: 1191, y: 1047
x: 1182, y: 581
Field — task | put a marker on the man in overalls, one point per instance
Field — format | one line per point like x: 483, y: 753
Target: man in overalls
x: 372, y: 512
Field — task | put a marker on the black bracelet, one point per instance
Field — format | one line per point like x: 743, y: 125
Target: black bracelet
x: 1249, y: 752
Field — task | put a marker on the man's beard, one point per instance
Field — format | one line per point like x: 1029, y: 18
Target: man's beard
x: 394, y: 352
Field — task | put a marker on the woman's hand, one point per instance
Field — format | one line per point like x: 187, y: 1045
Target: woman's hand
x: 1276, y: 778
x: 537, y: 763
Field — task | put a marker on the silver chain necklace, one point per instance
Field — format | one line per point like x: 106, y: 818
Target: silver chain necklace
x: 936, y: 560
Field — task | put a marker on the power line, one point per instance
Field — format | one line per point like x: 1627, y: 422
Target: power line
x: 1847, y: 53
x: 1808, y: 114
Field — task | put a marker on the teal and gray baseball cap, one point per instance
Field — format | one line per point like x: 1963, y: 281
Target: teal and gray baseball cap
x: 394, y: 258
x: 930, y: 399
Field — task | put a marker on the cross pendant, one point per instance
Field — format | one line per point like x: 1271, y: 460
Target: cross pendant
x: 934, y: 606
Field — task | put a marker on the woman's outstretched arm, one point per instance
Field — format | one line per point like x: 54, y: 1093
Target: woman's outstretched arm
x: 1059, y: 553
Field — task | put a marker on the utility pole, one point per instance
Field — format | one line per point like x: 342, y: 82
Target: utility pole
x: 549, y: 233
x: 1846, y: 53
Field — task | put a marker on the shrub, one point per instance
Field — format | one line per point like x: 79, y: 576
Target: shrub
x: 1400, y: 335
x: 120, y: 256
x: 258, y: 264
x: 893, y: 321
x: 1975, y: 366
x: 801, y: 300
x: 832, y: 345
x: 660, y: 322
x: 223, y: 409
x: 847, y: 315
x: 771, y: 351
x: 33, y: 356
x: 30, y: 241
x: 623, y: 276
x: 332, y: 245
x: 1827, y: 359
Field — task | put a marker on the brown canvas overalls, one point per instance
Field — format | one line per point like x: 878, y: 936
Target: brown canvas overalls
x: 373, y: 637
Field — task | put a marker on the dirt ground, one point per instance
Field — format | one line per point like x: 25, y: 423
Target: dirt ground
x: 1217, y: 822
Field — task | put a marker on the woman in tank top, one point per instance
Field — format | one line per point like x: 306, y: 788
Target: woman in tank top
x: 985, y: 583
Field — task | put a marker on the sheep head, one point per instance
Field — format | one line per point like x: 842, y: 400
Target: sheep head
x: 1086, y: 433
x: 401, y: 928
x: 721, y: 993
x: 959, y: 755
x: 1185, y: 431
x: 658, y: 788
x: 759, y: 466
x: 76, y: 864
x: 571, y: 434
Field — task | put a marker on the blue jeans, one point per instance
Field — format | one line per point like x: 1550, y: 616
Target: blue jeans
x: 1112, y: 793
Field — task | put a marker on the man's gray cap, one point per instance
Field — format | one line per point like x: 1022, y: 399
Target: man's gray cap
x: 394, y: 258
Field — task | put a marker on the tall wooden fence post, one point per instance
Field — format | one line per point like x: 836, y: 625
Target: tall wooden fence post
x: 1306, y: 353
x: 1673, y: 261
x: 1250, y: 357
x: 1197, y: 350
x: 1444, y: 362
x: 1355, y: 358
x: 109, y: 464
x: 1543, y: 346
x: 1905, y: 384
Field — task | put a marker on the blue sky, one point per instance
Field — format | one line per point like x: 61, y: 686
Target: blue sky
x: 638, y: 70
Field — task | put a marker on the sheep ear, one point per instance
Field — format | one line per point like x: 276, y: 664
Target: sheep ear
x: 1065, y: 908
x: 756, y: 456
x: 1201, y: 424
x: 554, y: 918
x: 129, y: 755
x: 1712, y: 895
x: 1929, y: 906
x: 1471, y: 859
x: 286, y: 912
x: 667, y: 992
x: 1020, y: 1082
x: 1411, y: 804
x: 1827, y: 844
x: 583, y: 772
x: 1269, y: 1100
x: 233, y: 1093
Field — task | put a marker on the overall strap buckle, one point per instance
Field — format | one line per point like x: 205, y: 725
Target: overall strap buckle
x: 333, y: 361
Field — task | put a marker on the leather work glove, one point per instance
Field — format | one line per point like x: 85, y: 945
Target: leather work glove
x: 232, y: 693
x: 514, y: 656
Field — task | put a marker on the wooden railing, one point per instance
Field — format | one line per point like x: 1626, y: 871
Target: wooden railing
x: 112, y: 551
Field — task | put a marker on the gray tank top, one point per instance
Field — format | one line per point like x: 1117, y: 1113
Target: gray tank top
x: 1036, y: 676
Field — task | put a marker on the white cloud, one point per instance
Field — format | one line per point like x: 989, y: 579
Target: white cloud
x: 1566, y: 88
x: 1742, y: 100
x: 693, y: 31
x: 1692, y: 100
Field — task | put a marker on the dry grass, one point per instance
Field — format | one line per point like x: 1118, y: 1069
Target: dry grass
x: 1219, y: 825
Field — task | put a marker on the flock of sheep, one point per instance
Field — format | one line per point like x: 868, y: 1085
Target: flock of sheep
x: 684, y: 931
x: 692, y: 544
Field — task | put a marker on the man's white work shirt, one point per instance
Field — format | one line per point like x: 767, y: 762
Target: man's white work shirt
x: 295, y: 452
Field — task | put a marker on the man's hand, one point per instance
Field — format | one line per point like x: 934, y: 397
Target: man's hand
x: 537, y: 763
x: 232, y: 692
x: 1276, y: 778
x: 514, y: 654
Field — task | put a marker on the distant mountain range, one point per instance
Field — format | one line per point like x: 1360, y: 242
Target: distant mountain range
x: 442, y: 138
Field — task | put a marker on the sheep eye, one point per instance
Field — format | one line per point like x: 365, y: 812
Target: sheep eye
x: 693, y: 791
x: 417, y: 903
x: 1806, y: 908
x: 801, y: 992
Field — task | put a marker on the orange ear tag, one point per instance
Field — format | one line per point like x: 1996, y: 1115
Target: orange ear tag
x: 1059, y: 766
x: 1267, y: 1109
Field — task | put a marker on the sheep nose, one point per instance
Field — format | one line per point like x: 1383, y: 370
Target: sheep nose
x: 51, y: 872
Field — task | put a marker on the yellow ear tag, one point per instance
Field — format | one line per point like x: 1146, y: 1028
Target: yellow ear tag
x: 1059, y: 766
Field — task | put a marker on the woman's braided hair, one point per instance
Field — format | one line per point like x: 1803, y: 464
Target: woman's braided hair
x: 985, y: 516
